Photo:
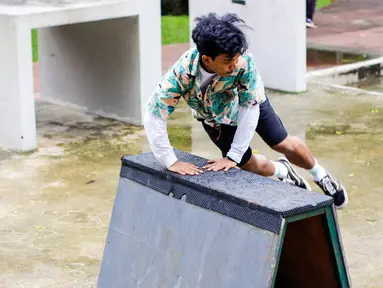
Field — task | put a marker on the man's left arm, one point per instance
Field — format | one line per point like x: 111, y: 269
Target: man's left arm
x: 251, y: 93
x: 247, y: 123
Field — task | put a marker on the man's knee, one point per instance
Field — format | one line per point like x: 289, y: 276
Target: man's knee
x: 288, y: 145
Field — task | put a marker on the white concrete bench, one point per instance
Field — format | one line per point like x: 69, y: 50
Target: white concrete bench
x: 100, y: 56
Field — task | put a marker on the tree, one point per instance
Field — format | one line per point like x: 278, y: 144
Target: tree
x: 175, y: 7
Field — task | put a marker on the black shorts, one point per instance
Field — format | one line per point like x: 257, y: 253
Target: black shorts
x: 270, y: 128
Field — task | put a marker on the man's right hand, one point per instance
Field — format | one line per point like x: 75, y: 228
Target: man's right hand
x: 185, y: 168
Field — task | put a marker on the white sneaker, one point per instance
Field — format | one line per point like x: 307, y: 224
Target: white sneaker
x: 332, y: 187
x: 310, y: 24
x: 293, y: 177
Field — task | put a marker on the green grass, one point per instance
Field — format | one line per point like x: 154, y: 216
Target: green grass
x: 175, y: 29
x: 34, y: 46
x: 322, y: 3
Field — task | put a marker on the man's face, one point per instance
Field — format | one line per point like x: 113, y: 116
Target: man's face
x: 222, y: 65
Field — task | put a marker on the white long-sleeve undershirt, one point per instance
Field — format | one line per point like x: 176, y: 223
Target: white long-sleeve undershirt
x: 155, y: 128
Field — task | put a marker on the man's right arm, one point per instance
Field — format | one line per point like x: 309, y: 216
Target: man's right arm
x: 161, y: 104
x: 155, y: 128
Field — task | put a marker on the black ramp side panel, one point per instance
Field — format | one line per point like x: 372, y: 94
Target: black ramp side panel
x: 158, y: 241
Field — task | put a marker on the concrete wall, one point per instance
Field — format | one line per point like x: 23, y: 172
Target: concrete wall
x: 17, y: 113
x: 278, y: 38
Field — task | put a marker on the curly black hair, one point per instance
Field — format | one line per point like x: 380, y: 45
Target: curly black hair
x: 215, y: 35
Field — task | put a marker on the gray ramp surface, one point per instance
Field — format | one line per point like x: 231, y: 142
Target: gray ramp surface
x: 158, y: 241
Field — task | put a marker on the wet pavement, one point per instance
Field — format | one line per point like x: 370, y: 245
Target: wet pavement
x: 321, y: 59
x: 370, y: 84
x: 56, y: 202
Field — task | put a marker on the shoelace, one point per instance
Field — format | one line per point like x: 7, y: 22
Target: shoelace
x: 327, y: 184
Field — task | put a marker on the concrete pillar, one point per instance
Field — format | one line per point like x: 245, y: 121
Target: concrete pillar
x: 150, y: 49
x: 277, y: 38
x: 17, y: 113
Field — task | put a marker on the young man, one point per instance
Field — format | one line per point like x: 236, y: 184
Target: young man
x: 220, y: 82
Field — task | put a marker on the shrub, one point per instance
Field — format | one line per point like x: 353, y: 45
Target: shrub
x: 175, y: 7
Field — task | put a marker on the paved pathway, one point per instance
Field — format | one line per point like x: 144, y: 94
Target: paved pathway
x: 349, y: 25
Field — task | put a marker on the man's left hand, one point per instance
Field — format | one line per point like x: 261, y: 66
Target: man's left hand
x: 220, y: 164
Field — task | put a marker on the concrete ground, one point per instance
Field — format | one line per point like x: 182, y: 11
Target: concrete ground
x: 56, y: 202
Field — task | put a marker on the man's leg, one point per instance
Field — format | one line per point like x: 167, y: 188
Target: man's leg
x: 296, y: 151
x: 272, y: 131
x: 258, y: 164
x: 223, y: 138
x: 310, y: 10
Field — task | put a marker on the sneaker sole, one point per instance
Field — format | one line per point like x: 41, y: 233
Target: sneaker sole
x: 313, y: 26
x: 308, y: 187
x: 345, y: 199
